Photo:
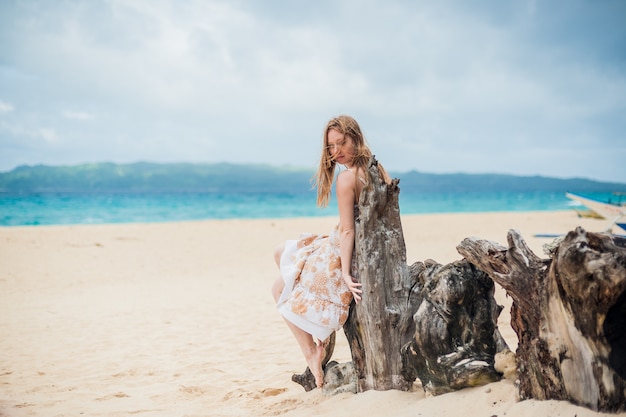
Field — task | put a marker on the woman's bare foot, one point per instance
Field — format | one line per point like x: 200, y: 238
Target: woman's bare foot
x: 314, y: 362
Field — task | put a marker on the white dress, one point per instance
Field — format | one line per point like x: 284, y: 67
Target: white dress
x: 315, y: 297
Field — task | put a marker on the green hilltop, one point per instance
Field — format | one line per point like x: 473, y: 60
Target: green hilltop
x: 227, y: 177
x: 153, y: 177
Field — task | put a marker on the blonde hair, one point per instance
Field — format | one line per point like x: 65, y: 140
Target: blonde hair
x: 325, y: 176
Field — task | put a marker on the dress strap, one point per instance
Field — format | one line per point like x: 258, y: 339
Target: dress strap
x: 358, y: 176
x: 356, y: 191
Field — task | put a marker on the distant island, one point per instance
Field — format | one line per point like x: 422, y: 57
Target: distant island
x: 227, y: 177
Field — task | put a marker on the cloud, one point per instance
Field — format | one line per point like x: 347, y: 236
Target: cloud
x: 5, y: 107
x: 76, y: 115
x: 19, y: 134
x: 49, y: 135
x: 515, y: 87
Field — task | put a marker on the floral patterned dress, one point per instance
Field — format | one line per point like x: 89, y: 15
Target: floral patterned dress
x: 315, y: 297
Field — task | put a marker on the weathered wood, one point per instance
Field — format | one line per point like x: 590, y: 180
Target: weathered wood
x: 339, y: 378
x: 381, y: 323
x: 568, y: 313
x: 456, y: 335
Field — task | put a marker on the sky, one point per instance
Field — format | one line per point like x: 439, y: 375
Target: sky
x: 516, y: 87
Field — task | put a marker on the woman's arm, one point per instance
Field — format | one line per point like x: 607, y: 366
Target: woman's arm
x: 346, y: 199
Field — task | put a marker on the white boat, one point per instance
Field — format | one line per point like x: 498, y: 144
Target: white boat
x: 614, y: 213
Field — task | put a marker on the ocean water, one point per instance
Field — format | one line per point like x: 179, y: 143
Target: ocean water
x: 17, y: 209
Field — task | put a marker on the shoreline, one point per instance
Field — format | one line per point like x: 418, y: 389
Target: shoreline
x: 177, y: 319
x: 309, y: 217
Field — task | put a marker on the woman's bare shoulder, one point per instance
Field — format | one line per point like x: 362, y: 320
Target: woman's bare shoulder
x: 354, y: 174
x: 346, y: 173
x: 346, y: 176
x: 346, y: 181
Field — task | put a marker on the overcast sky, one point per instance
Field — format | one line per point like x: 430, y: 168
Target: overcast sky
x: 517, y: 87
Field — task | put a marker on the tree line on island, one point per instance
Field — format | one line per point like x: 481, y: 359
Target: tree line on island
x: 228, y: 177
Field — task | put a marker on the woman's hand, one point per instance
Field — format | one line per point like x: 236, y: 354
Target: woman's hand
x: 353, y: 286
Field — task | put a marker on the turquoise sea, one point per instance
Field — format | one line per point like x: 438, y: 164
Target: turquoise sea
x: 17, y: 209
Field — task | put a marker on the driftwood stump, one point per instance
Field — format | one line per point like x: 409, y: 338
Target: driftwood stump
x: 381, y: 323
x: 569, y: 314
x: 456, y: 337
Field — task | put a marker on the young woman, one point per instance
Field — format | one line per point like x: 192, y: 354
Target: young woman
x: 317, y: 283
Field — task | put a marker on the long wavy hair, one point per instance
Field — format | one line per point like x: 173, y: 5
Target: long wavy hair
x: 325, y: 176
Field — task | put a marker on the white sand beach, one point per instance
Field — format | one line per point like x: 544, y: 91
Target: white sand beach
x: 176, y: 319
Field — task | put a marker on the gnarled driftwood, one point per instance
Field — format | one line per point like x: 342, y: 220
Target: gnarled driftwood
x: 456, y: 335
x: 568, y: 313
x: 381, y: 323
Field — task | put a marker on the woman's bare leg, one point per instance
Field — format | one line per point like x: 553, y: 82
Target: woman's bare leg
x: 278, y: 252
x: 277, y: 288
x: 279, y: 284
x: 313, y: 353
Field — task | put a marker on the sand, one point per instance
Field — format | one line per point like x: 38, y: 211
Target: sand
x: 176, y: 319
